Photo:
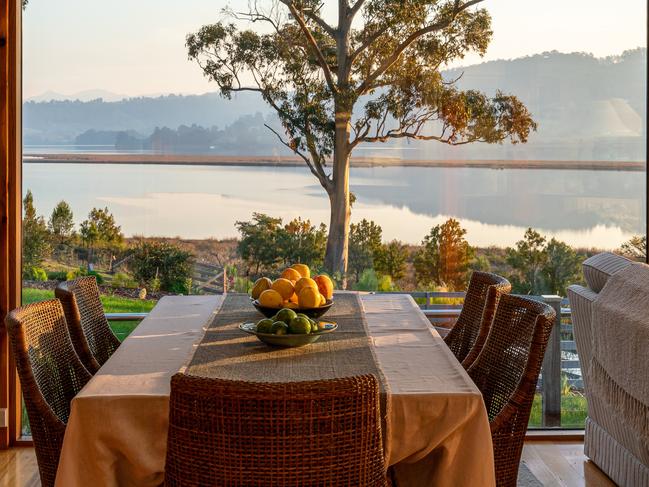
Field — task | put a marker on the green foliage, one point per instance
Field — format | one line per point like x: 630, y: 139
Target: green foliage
x: 528, y: 259
x: 242, y: 285
x: 61, y: 224
x: 266, y: 244
x: 444, y: 257
x: 123, y: 280
x: 100, y: 232
x: 100, y: 229
x: 369, y: 281
x: 82, y: 271
x: 35, y: 274
x: 36, y: 246
x: 480, y: 263
x: 385, y: 284
x: 542, y: 266
x: 299, y: 241
x: 162, y: 261
x: 562, y: 267
x: 391, y: 260
x: 635, y: 248
x: 258, y: 243
x: 364, y: 246
x: 57, y: 276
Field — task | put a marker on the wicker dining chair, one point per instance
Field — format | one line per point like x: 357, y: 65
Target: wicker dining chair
x: 274, y: 434
x: 506, y: 372
x: 50, y: 373
x: 90, y: 332
x: 470, y: 331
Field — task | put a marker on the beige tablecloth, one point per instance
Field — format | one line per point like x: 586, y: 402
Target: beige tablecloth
x: 439, y: 431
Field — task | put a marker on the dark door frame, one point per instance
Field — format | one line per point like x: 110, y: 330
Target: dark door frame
x: 10, y: 209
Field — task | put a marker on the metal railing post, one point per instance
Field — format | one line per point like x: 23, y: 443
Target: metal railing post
x: 551, y: 371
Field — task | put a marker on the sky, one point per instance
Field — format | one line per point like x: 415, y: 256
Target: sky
x: 138, y: 47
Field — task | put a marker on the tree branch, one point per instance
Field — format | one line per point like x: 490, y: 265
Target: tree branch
x: 389, y: 62
x: 321, y: 23
x: 354, y: 10
x: 314, y: 45
x: 324, y: 180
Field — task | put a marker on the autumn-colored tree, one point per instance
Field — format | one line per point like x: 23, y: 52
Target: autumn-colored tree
x: 374, y: 76
x: 444, y: 257
x: 391, y: 260
x: 364, y: 245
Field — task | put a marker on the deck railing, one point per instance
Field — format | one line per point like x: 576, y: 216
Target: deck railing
x: 554, y: 366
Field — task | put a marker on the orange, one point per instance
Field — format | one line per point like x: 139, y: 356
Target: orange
x: 284, y: 287
x: 323, y: 300
x: 309, y: 297
x: 291, y: 274
x: 270, y: 299
x: 303, y: 269
x: 305, y: 282
x: 260, y: 286
x: 293, y: 299
x: 325, y: 286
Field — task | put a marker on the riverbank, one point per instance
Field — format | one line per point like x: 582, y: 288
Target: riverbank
x: 290, y: 161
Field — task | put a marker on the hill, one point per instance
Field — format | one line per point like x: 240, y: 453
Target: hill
x: 587, y: 108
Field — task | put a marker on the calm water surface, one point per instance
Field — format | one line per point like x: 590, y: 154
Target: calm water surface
x: 584, y: 208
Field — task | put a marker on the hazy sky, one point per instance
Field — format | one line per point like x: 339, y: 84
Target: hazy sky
x: 136, y: 47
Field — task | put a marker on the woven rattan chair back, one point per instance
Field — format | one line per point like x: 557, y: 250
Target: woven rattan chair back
x: 322, y: 433
x: 467, y: 337
x: 506, y: 372
x: 90, y: 332
x: 50, y: 373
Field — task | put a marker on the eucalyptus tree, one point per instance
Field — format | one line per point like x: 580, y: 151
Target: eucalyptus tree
x: 374, y: 76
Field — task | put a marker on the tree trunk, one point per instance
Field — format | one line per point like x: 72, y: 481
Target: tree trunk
x: 338, y: 240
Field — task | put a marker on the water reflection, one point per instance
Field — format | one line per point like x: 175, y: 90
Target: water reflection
x: 584, y: 208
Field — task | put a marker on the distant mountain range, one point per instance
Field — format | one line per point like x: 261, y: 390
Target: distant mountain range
x: 587, y: 108
x: 86, y: 95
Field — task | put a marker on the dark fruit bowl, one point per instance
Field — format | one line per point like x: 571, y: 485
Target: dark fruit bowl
x: 310, y: 312
x: 288, y: 340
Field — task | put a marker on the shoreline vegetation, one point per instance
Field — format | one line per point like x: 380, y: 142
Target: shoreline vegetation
x: 289, y: 161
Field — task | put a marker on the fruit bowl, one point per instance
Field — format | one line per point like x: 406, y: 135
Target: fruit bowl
x: 268, y: 312
x: 289, y: 340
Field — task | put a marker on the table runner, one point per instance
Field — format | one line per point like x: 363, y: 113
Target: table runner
x: 225, y: 352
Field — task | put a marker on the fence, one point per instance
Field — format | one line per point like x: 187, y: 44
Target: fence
x: 554, y: 365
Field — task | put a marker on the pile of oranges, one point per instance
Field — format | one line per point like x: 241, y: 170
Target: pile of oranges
x: 294, y: 289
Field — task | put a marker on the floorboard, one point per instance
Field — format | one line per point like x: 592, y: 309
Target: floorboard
x: 561, y: 464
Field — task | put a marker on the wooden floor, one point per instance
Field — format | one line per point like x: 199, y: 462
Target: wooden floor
x: 553, y: 464
x: 562, y: 464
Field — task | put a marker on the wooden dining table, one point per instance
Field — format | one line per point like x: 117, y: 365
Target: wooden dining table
x: 438, y: 429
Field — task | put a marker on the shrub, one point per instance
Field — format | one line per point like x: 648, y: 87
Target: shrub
x: 163, y: 262
x: 368, y: 281
x: 82, y: 271
x: 36, y: 274
x: 123, y: 280
x: 57, y: 275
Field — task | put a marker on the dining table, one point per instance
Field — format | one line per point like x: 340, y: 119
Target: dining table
x: 437, y: 431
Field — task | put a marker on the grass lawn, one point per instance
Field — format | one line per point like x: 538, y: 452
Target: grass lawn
x: 573, y: 412
x: 112, y: 304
